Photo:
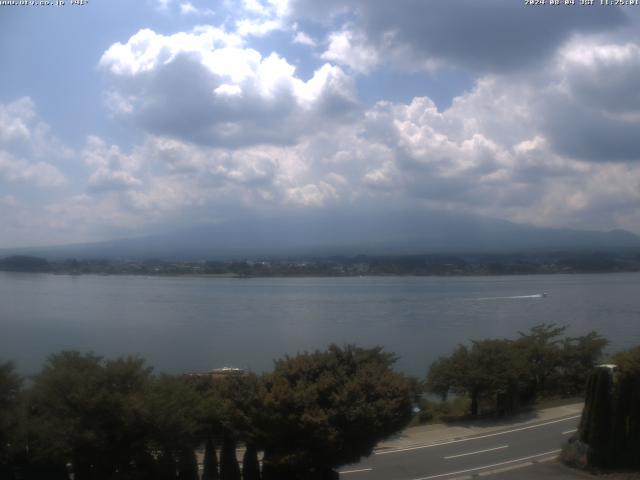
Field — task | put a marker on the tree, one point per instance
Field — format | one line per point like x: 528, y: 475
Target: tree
x: 490, y: 370
x: 10, y: 389
x: 250, y: 464
x: 24, y: 263
x: 610, y: 423
x: 209, y: 425
x: 626, y: 439
x: 541, y: 351
x: 63, y: 411
x: 231, y: 409
x: 445, y: 374
x: 327, y: 409
x: 597, y: 426
x: 123, y: 435
x: 112, y: 418
x: 210, y: 467
x: 229, y: 468
x: 187, y: 465
x: 578, y: 357
x: 172, y: 408
x: 88, y: 412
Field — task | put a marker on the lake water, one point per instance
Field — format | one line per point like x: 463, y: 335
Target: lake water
x: 195, y: 324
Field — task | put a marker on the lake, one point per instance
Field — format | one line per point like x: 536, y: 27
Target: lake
x: 197, y: 323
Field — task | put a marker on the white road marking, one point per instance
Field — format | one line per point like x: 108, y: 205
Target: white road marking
x: 488, y: 466
x: 355, y: 471
x: 569, y: 431
x: 431, y: 445
x: 479, y: 451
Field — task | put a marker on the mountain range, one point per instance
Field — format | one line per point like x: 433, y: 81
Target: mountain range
x: 344, y: 233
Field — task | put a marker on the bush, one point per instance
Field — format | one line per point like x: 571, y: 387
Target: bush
x: 425, y: 416
x: 575, y: 453
x: 330, y: 408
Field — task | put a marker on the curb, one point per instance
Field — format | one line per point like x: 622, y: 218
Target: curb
x: 505, y: 469
x: 416, y: 446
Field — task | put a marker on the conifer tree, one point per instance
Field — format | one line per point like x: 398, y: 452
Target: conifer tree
x: 187, y: 465
x: 250, y: 465
x: 587, y: 411
x: 601, y: 419
x: 10, y: 386
x: 627, y: 415
x: 229, y: 468
x: 610, y: 423
x: 210, y: 467
x: 165, y: 467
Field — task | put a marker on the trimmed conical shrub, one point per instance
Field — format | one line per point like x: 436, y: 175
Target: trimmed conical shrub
x: 187, y: 465
x: 610, y: 423
x: 165, y: 467
x: 250, y: 465
x: 210, y: 467
x: 601, y: 420
x: 587, y: 412
x: 229, y: 468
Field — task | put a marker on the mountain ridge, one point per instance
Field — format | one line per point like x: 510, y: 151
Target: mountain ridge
x: 343, y: 233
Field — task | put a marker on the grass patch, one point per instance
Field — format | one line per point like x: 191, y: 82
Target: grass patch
x: 457, y: 409
x: 439, y: 412
x: 556, y: 402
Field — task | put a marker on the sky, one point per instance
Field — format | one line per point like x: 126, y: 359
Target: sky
x: 122, y: 118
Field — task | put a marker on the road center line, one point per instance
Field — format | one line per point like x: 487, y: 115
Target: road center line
x: 431, y: 445
x: 569, y: 431
x: 488, y: 466
x: 356, y: 471
x: 479, y: 451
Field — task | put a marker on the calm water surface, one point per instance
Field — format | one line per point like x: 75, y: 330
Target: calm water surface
x: 194, y: 324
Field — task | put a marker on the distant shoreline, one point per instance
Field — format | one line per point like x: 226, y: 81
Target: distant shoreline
x: 430, y: 265
x: 379, y: 275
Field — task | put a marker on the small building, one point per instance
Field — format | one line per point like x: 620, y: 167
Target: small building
x: 218, y: 373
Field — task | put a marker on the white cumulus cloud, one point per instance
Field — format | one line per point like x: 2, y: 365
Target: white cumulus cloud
x: 347, y: 48
x: 227, y: 94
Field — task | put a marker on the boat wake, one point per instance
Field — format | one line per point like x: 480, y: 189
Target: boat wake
x: 514, y: 297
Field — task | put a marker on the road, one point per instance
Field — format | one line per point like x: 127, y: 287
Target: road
x: 467, y: 456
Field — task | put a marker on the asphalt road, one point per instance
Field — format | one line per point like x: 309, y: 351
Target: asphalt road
x: 468, y: 456
x: 551, y: 471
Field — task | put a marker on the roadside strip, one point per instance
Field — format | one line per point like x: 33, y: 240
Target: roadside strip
x: 475, y: 469
x: 475, y: 453
x: 356, y: 471
x: 467, y: 439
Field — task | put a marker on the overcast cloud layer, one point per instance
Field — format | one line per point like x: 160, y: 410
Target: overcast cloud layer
x: 205, y: 111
